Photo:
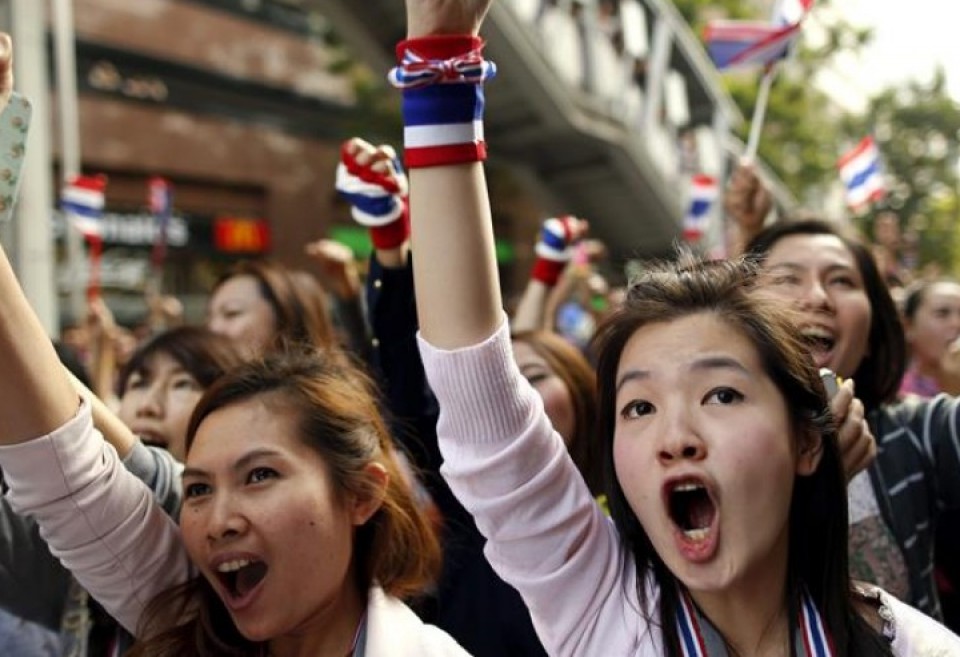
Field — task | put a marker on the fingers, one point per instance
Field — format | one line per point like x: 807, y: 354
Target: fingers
x: 840, y: 403
x: 6, y: 68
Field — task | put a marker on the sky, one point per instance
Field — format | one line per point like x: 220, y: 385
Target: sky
x: 910, y: 38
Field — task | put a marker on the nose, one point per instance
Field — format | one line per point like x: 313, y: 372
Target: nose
x: 151, y: 402
x: 815, y: 297
x: 681, y: 442
x: 216, y: 324
x: 224, y: 521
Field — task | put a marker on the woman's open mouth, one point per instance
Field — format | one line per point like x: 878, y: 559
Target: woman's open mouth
x: 694, y: 515
x: 821, y: 343
x: 240, y: 579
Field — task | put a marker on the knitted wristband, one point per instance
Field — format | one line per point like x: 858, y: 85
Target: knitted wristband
x: 392, y: 235
x: 547, y: 271
x: 441, y: 78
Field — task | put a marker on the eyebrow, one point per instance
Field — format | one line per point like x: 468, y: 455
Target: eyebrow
x: 796, y: 266
x: 706, y: 363
x: 240, y: 464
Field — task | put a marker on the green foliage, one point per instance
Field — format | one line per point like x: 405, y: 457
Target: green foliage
x: 917, y: 128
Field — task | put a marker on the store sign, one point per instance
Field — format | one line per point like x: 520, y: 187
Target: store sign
x: 234, y: 235
x: 134, y: 229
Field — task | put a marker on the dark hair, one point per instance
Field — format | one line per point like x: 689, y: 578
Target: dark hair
x: 202, y: 353
x: 916, y: 294
x: 817, y: 559
x: 569, y: 364
x: 301, y: 316
x: 879, y: 373
x: 338, y: 417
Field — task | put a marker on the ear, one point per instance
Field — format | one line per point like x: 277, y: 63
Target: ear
x: 809, y: 453
x: 364, y: 506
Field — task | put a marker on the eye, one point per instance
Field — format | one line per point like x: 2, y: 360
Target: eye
x: 537, y: 377
x: 784, y: 279
x: 185, y: 383
x: 137, y: 382
x: 259, y: 475
x: 637, y: 408
x: 723, y: 396
x: 844, y: 281
x: 191, y: 491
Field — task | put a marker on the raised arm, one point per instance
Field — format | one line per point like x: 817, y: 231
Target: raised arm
x: 554, y: 249
x: 35, y: 394
x: 455, y: 273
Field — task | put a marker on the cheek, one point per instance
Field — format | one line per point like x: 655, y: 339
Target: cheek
x: 632, y: 464
x: 558, y: 405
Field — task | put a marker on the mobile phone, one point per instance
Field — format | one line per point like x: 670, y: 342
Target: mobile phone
x: 830, y: 382
x: 14, y: 126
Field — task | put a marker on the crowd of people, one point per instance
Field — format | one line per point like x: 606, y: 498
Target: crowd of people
x: 755, y: 456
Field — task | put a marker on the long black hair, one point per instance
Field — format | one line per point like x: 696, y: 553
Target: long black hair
x: 817, y: 561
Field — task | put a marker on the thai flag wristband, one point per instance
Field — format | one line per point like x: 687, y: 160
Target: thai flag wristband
x: 553, y: 250
x: 442, y: 81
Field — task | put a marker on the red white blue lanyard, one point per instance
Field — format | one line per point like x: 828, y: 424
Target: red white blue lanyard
x: 699, y: 639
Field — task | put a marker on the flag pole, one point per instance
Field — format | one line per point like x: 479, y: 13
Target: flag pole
x: 759, y: 113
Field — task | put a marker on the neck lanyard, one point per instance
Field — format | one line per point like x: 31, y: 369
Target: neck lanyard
x: 698, y: 637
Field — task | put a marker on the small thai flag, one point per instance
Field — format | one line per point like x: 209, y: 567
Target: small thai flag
x: 742, y: 44
x: 703, y: 194
x: 160, y: 199
x: 82, y: 201
x: 862, y: 174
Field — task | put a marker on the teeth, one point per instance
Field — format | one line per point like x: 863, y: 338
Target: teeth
x: 233, y: 566
x: 696, y: 534
x: 683, y: 488
x: 816, y: 332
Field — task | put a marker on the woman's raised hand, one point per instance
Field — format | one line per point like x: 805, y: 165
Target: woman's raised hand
x: 433, y: 17
x: 6, y: 69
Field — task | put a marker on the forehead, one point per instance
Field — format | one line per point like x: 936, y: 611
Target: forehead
x: 811, y: 252
x: 942, y: 292
x: 679, y: 343
x: 525, y: 354
x: 237, y: 288
x: 234, y: 430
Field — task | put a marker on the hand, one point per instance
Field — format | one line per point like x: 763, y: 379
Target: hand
x: 858, y: 447
x: 558, y: 235
x: 747, y: 199
x: 338, y: 267
x: 100, y: 320
x: 372, y: 180
x: 433, y: 17
x: 6, y: 69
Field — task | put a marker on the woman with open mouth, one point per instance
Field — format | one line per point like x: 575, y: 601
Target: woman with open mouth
x: 843, y: 308
x: 298, y: 534
x: 722, y: 467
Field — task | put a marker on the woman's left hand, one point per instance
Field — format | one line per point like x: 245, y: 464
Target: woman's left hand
x: 858, y: 447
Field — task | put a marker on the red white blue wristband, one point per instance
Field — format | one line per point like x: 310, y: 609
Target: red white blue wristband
x: 553, y: 249
x: 442, y: 81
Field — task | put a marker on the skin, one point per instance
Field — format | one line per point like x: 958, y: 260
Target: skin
x: 253, y: 488
x: 819, y: 277
x: 935, y: 326
x: 556, y: 397
x: 158, y: 401
x: 693, y: 400
x: 238, y: 310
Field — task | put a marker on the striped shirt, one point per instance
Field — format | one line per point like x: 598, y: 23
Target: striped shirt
x: 916, y: 475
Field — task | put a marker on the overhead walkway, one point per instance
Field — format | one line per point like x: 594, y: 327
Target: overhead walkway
x: 610, y: 106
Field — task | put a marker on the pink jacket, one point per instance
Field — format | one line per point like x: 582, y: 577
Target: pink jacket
x: 104, y: 525
x: 546, y: 536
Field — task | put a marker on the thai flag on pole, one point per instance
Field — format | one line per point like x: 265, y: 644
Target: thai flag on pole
x: 704, y: 192
x: 82, y: 201
x: 743, y: 44
x: 862, y: 174
x: 160, y: 198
